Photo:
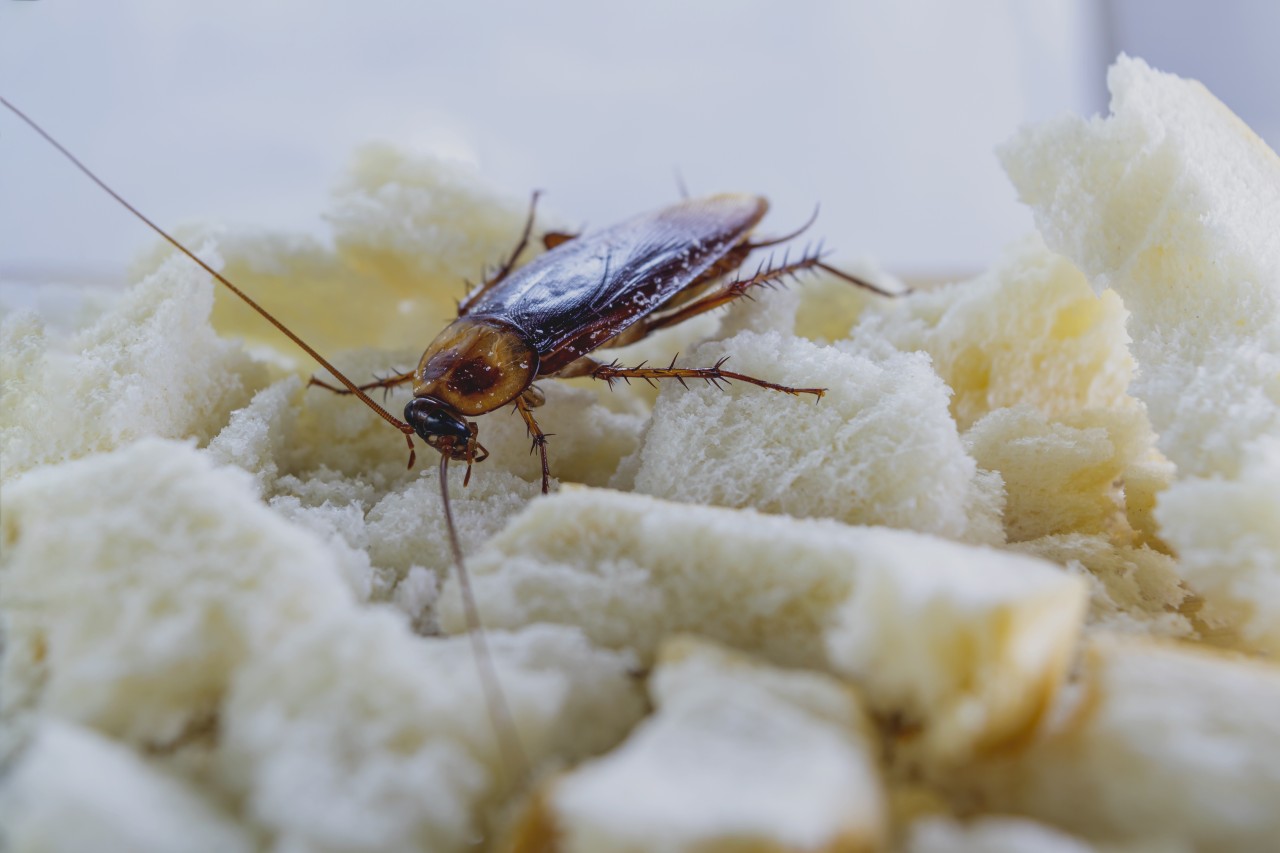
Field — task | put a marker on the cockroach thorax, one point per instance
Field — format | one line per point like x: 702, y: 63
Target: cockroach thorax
x: 475, y: 366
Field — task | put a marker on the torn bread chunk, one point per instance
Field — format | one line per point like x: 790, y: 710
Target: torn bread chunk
x: 1163, y: 742
x: 1227, y: 537
x: 970, y: 650
x: 1174, y: 203
x: 137, y: 582
x: 1029, y: 331
x: 150, y: 366
x: 738, y: 755
x: 72, y: 789
x: 968, y: 641
x: 408, y: 233
x: 1060, y: 476
x: 879, y: 448
x: 389, y: 736
x: 993, y: 835
x: 1132, y: 589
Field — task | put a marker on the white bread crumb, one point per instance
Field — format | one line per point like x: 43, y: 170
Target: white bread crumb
x: 150, y: 366
x: 73, y: 790
x: 1227, y: 537
x: 1133, y: 589
x: 1060, y: 476
x: 1027, y: 331
x: 971, y: 645
x: 990, y: 835
x: 631, y: 570
x: 737, y: 755
x: 1167, y: 742
x: 1175, y: 204
x: 388, y: 733
x: 167, y: 575
x: 879, y: 448
x: 407, y: 233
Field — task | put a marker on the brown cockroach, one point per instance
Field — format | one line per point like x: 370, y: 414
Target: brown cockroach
x: 544, y: 320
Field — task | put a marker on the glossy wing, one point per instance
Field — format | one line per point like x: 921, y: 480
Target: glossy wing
x: 576, y: 297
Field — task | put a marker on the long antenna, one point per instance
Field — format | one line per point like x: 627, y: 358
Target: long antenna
x: 321, y: 360
x: 511, y: 750
x: 504, y: 728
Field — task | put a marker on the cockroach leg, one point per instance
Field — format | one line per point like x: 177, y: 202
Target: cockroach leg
x: 525, y: 405
x: 714, y: 375
x: 551, y: 239
x: 766, y: 275
x: 861, y: 282
x: 505, y: 270
x: 385, y: 383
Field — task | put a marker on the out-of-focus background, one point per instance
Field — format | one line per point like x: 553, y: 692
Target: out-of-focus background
x: 247, y: 111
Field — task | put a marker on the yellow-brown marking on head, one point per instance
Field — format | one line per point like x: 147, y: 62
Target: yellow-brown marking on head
x: 476, y: 366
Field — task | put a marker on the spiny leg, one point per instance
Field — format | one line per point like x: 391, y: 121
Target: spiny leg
x: 765, y: 276
x: 386, y: 383
x: 713, y: 375
x: 525, y: 405
x: 551, y: 239
x: 505, y: 270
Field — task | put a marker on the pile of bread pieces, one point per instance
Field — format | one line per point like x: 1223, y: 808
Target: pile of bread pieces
x: 1013, y: 584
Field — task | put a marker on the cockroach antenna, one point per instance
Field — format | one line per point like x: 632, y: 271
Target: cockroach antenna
x: 513, y: 756
x: 504, y: 728
x: 244, y: 297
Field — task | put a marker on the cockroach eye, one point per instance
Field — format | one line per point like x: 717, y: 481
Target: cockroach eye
x: 431, y: 419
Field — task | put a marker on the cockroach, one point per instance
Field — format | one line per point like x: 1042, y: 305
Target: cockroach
x: 545, y: 319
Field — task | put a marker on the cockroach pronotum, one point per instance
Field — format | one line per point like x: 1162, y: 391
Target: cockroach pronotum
x: 544, y: 320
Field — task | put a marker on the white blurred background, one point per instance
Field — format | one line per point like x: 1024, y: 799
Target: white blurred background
x: 246, y: 111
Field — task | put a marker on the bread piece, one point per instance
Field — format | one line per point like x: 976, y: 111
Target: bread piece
x: 990, y: 835
x: 1227, y: 537
x: 1175, y: 204
x: 151, y: 366
x: 1028, y: 331
x: 1060, y: 476
x: 737, y: 755
x: 408, y: 233
x: 968, y: 641
x: 357, y: 735
x: 879, y: 448
x: 1166, y: 743
x: 970, y: 649
x: 73, y: 790
x: 137, y: 582
x: 1133, y: 590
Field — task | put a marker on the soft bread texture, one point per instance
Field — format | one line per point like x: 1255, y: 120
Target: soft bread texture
x: 1133, y: 589
x: 1029, y: 332
x: 74, y: 790
x: 737, y: 755
x: 170, y: 575
x: 1175, y: 204
x: 149, y: 366
x: 1164, y: 742
x: 968, y: 642
x: 390, y: 736
x: 1060, y: 476
x: 406, y: 234
x: 879, y: 448
x: 990, y: 835
x: 970, y: 648
x: 181, y: 600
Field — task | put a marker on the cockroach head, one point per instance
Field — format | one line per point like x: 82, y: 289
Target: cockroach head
x: 444, y: 429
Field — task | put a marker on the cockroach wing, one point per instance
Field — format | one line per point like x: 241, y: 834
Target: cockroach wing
x: 584, y: 292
